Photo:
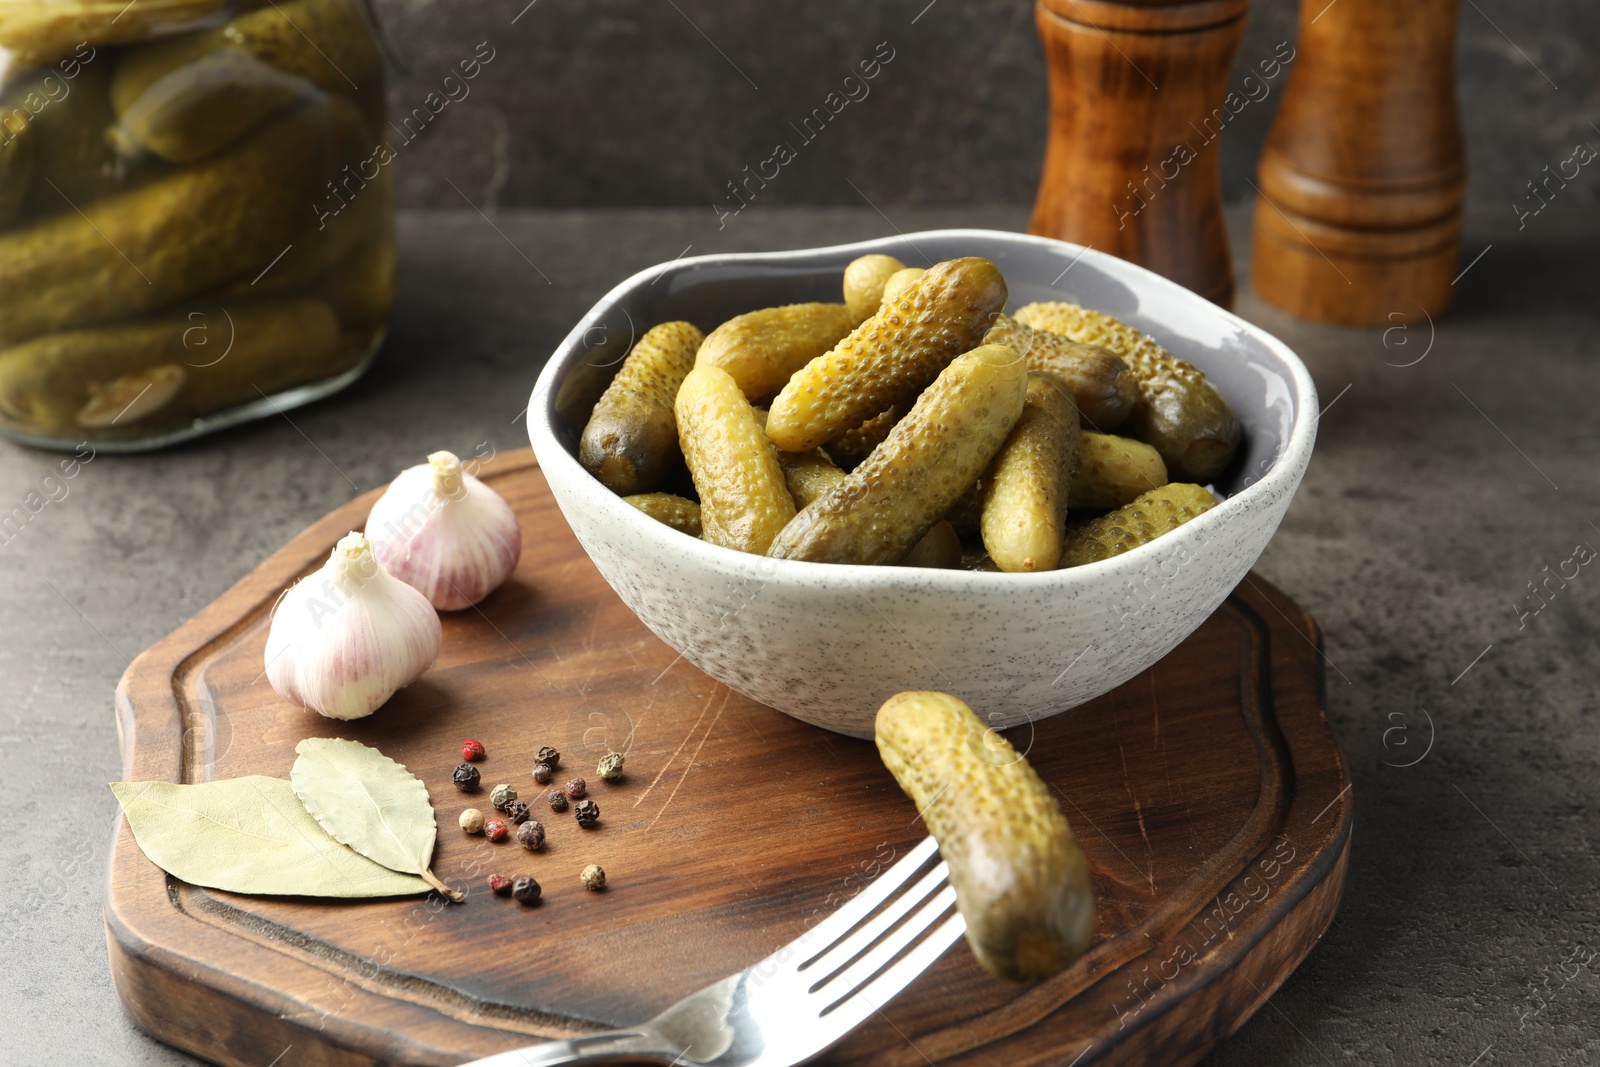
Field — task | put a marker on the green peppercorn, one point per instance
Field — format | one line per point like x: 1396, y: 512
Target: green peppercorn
x: 466, y: 777
x: 542, y: 773
x: 611, y: 766
x: 588, y: 813
x: 501, y: 795
x: 526, y: 890
x: 558, y: 800
x: 549, y: 756
x: 593, y: 877
x: 530, y: 835
x: 517, y: 812
x: 472, y: 821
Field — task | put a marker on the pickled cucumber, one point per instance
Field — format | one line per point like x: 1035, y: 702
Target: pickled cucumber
x: 326, y: 42
x: 853, y: 446
x: 61, y: 383
x: 192, y: 231
x: 811, y: 475
x: 762, y: 349
x: 1179, y: 412
x: 1113, y: 470
x: 205, y: 106
x: 864, y: 279
x: 1021, y: 882
x: 890, y: 501
x: 891, y: 357
x: 1103, y: 386
x: 73, y: 163
x: 38, y: 33
x: 939, y: 548
x: 16, y: 162
x: 743, y: 499
x: 632, y: 436
x: 900, y: 281
x: 1025, y: 491
x: 1150, y: 515
x: 673, y: 510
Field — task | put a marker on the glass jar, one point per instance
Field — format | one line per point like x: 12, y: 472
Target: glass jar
x: 196, y: 214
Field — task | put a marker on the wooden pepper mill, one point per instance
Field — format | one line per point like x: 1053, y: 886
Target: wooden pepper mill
x: 1136, y: 109
x: 1363, y: 177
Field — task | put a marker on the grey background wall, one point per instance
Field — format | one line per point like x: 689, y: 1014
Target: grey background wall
x: 652, y: 102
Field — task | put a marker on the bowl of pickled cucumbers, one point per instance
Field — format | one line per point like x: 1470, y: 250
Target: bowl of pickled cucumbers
x: 196, y: 213
x: 984, y: 463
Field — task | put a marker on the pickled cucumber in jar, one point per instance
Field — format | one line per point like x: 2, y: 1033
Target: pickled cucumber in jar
x: 196, y: 213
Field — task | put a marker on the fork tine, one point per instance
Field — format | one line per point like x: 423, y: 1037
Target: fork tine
x: 825, y: 934
x: 822, y: 966
x: 846, y: 1014
x: 887, y: 947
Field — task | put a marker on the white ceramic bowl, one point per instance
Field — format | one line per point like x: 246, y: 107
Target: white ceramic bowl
x: 829, y: 643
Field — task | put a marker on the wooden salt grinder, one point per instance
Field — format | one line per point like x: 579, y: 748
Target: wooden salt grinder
x: 1130, y: 82
x: 1363, y: 177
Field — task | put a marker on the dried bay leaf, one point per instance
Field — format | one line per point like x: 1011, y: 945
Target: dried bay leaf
x: 366, y: 800
x: 250, y: 835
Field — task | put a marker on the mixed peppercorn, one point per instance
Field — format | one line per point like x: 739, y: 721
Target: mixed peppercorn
x: 530, y: 833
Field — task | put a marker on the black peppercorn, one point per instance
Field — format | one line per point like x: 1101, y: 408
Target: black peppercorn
x: 517, y: 812
x: 466, y: 778
x: 549, y: 756
x: 542, y: 773
x: 530, y: 835
x: 588, y: 813
x: 558, y: 800
x: 526, y: 890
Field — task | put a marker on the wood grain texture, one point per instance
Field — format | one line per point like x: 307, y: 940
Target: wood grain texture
x: 1208, y: 795
x: 1364, y: 175
x: 1131, y: 82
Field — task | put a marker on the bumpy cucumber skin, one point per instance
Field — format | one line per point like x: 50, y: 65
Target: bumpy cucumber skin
x: 675, y: 511
x: 1021, y: 882
x: 864, y: 279
x: 1103, y: 386
x: 743, y: 499
x: 1152, y: 514
x: 1179, y: 411
x: 1025, y: 491
x: 631, y: 439
x: 811, y: 475
x: 888, y: 503
x: 1113, y: 471
x: 853, y: 446
x: 891, y: 357
x: 762, y: 349
x: 900, y: 281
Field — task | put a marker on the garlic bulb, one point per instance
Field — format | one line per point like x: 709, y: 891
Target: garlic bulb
x: 445, y: 533
x: 345, y: 638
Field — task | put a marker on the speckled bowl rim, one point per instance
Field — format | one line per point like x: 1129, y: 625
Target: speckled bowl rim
x: 1281, y: 477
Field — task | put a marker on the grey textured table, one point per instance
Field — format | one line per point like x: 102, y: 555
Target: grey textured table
x: 1454, y: 464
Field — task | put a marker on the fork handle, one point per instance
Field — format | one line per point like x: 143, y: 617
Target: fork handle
x: 606, y: 1047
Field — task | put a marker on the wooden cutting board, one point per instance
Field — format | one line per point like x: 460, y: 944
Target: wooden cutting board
x: 1208, y: 794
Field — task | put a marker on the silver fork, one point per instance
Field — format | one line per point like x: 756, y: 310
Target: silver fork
x: 804, y: 997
